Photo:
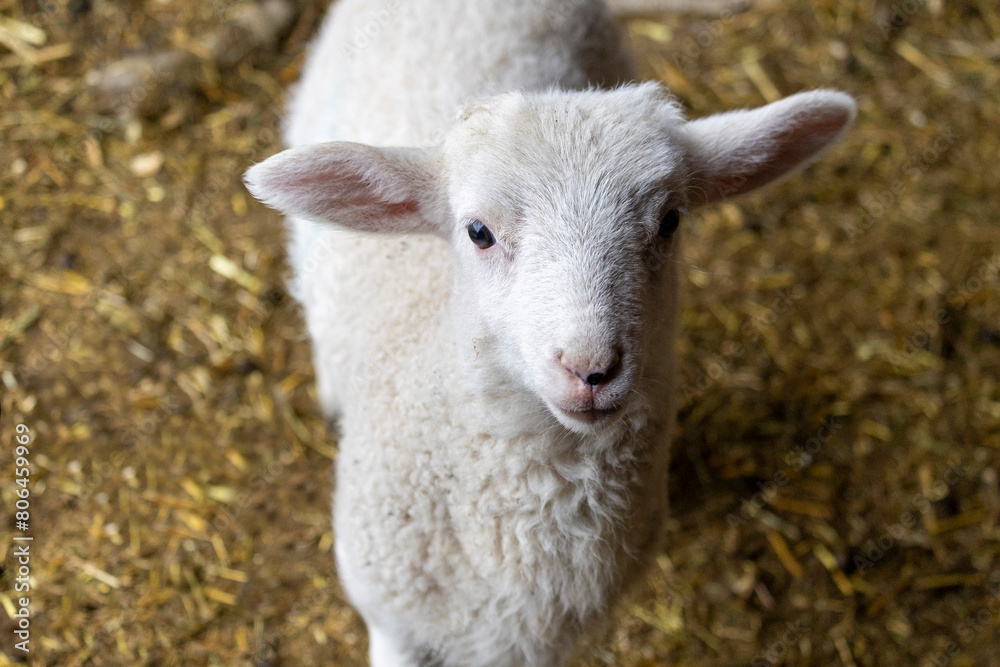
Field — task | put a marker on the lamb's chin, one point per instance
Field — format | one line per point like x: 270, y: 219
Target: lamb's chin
x: 587, y: 422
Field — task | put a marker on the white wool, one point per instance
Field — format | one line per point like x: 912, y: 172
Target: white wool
x: 480, y: 517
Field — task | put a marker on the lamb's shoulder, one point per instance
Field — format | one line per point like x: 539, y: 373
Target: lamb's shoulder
x: 372, y: 305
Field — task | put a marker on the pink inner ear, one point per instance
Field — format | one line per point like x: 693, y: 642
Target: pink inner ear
x: 350, y: 192
x: 351, y: 185
x: 401, y: 209
x: 333, y: 185
x: 796, y: 142
x: 737, y: 151
x: 807, y: 135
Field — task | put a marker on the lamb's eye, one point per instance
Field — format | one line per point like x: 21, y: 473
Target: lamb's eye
x: 481, y: 235
x: 669, y: 223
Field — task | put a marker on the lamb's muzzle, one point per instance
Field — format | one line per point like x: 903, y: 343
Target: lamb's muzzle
x: 592, y: 371
x: 593, y: 387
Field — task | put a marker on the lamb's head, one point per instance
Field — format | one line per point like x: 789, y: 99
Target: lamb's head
x: 563, y: 212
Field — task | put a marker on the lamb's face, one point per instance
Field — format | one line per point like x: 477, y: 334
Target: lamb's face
x: 565, y: 211
x: 562, y: 208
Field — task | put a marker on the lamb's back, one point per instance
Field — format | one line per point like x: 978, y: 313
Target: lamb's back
x: 394, y: 72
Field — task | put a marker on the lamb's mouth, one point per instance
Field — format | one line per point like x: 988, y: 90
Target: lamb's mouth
x: 591, y: 416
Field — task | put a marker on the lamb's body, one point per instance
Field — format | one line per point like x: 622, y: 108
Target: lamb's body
x: 485, y: 541
x: 501, y: 362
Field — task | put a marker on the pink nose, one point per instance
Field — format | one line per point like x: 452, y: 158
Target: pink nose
x: 593, y: 372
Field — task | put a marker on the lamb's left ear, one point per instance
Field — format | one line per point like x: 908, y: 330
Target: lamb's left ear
x: 737, y: 151
x: 353, y: 185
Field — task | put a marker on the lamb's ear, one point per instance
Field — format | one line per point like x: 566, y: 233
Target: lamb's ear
x: 353, y: 185
x: 738, y: 151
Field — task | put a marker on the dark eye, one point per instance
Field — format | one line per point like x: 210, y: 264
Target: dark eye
x: 481, y: 235
x: 669, y: 223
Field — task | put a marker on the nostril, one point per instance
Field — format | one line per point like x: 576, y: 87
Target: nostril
x: 587, y: 372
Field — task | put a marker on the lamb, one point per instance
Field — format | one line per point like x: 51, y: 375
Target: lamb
x: 492, y: 299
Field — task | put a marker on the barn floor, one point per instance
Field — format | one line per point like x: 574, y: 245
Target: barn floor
x: 835, y: 484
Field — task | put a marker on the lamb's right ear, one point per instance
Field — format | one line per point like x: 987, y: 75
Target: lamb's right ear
x: 353, y: 185
x: 734, y: 152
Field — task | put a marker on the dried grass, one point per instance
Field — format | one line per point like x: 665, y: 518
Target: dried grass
x: 835, y: 484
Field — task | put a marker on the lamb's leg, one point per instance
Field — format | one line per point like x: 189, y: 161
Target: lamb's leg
x: 385, y: 650
x: 327, y: 387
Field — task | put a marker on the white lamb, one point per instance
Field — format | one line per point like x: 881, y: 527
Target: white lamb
x: 493, y: 307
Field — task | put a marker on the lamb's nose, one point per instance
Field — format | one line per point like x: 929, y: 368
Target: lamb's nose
x: 594, y: 372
